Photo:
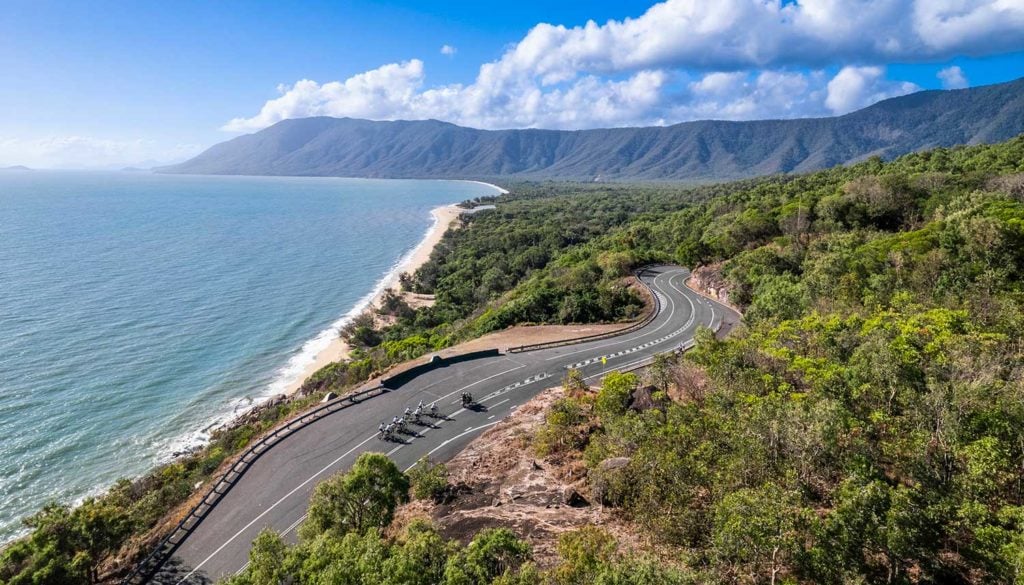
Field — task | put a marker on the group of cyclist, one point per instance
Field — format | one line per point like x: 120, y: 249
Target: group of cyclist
x: 387, y: 431
x: 400, y: 424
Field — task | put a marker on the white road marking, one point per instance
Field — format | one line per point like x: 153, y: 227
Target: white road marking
x: 671, y: 312
x: 294, y: 525
x: 491, y: 424
x: 274, y: 505
x: 530, y: 380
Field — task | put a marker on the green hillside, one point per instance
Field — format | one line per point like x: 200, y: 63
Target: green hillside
x: 693, y: 151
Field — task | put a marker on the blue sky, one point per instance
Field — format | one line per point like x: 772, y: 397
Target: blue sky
x: 93, y: 84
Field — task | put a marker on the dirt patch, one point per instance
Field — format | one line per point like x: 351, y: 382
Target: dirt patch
x: 497, y: 481
x: 418, y: 301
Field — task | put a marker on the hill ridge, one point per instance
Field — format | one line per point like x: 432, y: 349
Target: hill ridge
x: 695, y: 150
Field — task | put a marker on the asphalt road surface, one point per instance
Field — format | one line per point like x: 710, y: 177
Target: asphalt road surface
x: 275, y: 491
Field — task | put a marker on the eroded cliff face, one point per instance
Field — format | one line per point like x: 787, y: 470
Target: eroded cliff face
x: 709, y: 280
x: 498, y: 481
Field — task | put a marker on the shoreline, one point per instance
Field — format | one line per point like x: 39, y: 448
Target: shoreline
x: 444, y: 218
x: 501, y: 191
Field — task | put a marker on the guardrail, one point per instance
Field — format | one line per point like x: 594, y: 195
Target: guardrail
x: 629, y: 329
x: 149, y: 566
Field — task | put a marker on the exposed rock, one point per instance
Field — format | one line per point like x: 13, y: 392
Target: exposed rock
x: 643, y: 399
x: 572, y: 498
x: 614, y: 463
x: 496, y: 481
x: 329, y: 397
x: 710, y: 281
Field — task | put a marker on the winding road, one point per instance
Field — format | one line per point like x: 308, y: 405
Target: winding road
x: 275, y: 491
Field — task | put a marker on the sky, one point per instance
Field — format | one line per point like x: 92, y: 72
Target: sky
x: 107, y: 84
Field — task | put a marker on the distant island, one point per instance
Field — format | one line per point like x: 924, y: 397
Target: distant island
x: 692, y: 151
x: 15, y: 168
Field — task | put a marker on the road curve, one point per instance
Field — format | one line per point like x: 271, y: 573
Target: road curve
x: 275, y: 491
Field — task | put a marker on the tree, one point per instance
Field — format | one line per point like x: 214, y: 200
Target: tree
x: 492, y: 553
x: 756, y: 531
x: 364, y: 497
x: 586, y: 553
x: 614, y: 396
x: 420, y: 556
x: 66, y: 546
x: 267, y: 559
x: 428, y: 479
x: 660, y: 371
x: 574, y: 384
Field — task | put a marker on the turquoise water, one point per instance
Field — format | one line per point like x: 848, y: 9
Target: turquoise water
x: 137, y: 310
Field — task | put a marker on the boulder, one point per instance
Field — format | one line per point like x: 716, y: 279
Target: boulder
x: 573, y: 499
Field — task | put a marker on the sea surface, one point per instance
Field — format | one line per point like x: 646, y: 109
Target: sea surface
x: 139, y: 310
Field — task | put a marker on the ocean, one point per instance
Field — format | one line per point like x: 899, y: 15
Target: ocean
x: 137, y: 311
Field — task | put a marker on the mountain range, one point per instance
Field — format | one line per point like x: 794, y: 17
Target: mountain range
x: 690, y: 151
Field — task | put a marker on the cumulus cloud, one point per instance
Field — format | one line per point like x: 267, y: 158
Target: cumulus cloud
x: 855, y: 87
x: 738, y: 34
x: 746, y: 96
x: 680, y: 60
x: 448, y: 50
x: 953, y: 77
x: 77, y: 152
x: 375, y: 94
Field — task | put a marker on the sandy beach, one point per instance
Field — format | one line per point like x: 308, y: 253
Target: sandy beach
x: 444, y: 218
x: 500, y: 190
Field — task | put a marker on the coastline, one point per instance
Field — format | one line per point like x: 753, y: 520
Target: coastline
x: 444, y: 217
x: 501, y: 191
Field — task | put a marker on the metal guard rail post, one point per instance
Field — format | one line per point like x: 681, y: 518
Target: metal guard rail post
x: 628, y: 329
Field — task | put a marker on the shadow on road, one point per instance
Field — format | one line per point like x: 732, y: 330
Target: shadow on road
x: 175, y: 570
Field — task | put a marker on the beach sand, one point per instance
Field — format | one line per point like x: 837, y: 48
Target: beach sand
x: 444, y: 218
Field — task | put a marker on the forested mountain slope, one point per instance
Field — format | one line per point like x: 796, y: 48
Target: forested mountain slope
x: 695, y: 151
x: 865, y: 425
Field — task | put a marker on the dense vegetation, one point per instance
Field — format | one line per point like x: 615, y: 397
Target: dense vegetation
x: 868, y: 423
x: 865, y: 424
x: 74, y: 546
x: 344, y: 541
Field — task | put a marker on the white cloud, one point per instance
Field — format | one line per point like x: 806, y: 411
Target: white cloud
x: 953, y: 77
x: 743, y: 96
x: 855, y: 87
x: 78, y: 152
x: 448, y: 50
x: 742, y: 34
x: 680, y: 60
x: 375, y: 94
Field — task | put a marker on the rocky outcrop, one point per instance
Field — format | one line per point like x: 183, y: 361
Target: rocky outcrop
x: 497, y: 481
x: 708, y: 280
